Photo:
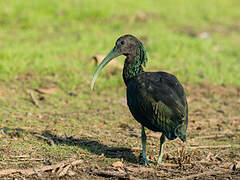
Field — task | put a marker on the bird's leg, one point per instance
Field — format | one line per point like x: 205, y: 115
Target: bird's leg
x: 144, y: 138
x: 162, y: 140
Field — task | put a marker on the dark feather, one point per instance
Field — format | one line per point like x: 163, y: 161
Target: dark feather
x: 157, y: 101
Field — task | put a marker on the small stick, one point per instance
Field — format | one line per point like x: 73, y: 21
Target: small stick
x: 208, y: 163
x: 32, y: 171
x: 136, y: 149
x: 64, y: 171
x: 74, y: 163
x: 21, y: 156
x: 207, y: 173
x: 34, y: 101
x: 8, y: 171
x: 210, y: 147
x: 172, y: 165
x: 50, y: 141
x: 13, y: 160
x: 214, y: 136
x: 110, y: 174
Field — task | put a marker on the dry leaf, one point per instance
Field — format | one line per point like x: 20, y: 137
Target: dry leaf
x: 46, y: 91
x: 117, y: 164
x: 64, y: 171
x: 71, y: 173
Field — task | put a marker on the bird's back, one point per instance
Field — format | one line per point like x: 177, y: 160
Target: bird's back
x: 157, y: 101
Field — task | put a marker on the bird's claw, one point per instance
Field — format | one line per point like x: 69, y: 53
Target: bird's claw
x: 146, y: 163
x: 158, y: 160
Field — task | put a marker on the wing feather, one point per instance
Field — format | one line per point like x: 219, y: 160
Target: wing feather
x: 157, y: 100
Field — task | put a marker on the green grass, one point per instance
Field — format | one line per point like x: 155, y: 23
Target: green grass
x: 45, y: 44
x: 52, y: 37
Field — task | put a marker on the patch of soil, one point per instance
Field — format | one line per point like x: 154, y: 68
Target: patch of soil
x: 211, y: 151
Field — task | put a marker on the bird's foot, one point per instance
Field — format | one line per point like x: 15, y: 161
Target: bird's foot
x: 158, y: 160
x: 146, y: 162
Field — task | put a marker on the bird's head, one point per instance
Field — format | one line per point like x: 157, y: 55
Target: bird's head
x: 126, y: 45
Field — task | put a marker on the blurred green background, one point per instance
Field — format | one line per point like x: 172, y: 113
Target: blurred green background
x: 198, y: 41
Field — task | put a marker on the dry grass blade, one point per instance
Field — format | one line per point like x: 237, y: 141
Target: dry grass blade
x: 50, y: 141
x: 65, y: 164
x: 210, y: 147
x: 34, y: 100
x: 46, y: 91
x: 18, y: 160
x: 215, y: 136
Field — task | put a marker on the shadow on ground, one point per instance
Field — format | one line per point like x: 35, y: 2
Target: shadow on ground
x: 92, y: 146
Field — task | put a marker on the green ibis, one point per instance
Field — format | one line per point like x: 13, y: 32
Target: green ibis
x: 156, y: 99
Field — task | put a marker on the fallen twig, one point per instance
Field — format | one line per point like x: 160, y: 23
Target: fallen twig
x: 64, y: 164
x: 172, y: 165
x: 207, y: 173
x: 34, y: 101
x: 139, y: 169
x: 50, y: 141
x: 210, y: 147
x: 8, y: 172
x: 64, y: 171
x: 14, y: 160
x: 215, y: 136
x: 208, y: 163
x: 111, y: 174
x: 21, y: 156
x: 46, y: 91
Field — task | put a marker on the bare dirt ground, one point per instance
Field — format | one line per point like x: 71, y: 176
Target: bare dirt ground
x: 212, y: 150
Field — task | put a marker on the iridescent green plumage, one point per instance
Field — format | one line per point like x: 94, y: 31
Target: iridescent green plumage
x: 155, y: 99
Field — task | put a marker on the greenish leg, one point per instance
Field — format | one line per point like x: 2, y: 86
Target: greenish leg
x: 162, y: 140
x: 144, y: 138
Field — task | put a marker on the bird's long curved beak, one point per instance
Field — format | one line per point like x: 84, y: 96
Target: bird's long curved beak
x: 114, y: 53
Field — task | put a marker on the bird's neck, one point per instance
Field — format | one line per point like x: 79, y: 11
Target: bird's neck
x: 132, y: 68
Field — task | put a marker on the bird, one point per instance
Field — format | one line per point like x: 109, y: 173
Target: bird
x: 155, y: 99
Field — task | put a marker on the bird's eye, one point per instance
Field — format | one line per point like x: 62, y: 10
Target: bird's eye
x: 122, y: 42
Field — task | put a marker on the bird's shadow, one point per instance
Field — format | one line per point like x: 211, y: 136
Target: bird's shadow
x: 92, y: 146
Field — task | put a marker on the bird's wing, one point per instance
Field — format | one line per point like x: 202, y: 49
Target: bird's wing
x: 162, y: 89
x: 157, y: 100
